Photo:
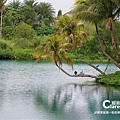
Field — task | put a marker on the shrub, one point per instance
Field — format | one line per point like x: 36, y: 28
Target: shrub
x: 8, y: 32
x: 45, y: 30
x: 6, y: 54
x: 23, y: 43
x: 25, y: 31
x: 4, y: 45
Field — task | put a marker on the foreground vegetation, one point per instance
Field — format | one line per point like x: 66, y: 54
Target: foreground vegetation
x: 110, y: 79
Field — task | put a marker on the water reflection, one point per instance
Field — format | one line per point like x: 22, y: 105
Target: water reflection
x: 27, y: 92
x: 2, y: 89
x: 77, y: 101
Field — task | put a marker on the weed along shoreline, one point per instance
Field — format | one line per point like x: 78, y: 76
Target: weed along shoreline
x: 112, y: 79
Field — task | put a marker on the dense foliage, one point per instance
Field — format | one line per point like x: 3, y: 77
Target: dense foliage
x: 103, y: 15
x: 29, y: 12
x: 110, y: 79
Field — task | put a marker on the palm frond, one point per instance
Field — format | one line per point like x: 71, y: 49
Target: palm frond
x: 109, y: 23
x: 67, y: 46
x: 40, y: 58
x: 37, y: 51
x: 66, y: 58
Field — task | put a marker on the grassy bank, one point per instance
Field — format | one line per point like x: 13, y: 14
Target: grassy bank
x: 23, y: 50
x: 110, y: 79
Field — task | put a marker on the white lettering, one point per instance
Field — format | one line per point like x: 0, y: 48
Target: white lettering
x: 104, y: 104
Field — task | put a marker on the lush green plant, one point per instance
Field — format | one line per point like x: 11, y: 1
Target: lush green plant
x: 6, y: 54
x: 29, y: 15
x: 23, y: 43
x: 53, y: 50
x: 11, y: 18
x: 45, y: 30
x: 45, y: 12
x: 24, y: 35
x: 110, y: 79
x: 23, y: 54
x: 4, y: 45
x: 39, y: 40
x: 8, y: 32
x: 25, y: 31
x: 5, y: 50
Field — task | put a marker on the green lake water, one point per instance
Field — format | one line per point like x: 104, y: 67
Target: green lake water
x: 41, y: 91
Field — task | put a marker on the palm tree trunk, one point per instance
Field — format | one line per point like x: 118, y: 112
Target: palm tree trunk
x: 103, y: 49
x: 114, y: 43
x: 90, y: 64
x: 74, y: 46
x: 1, y: 25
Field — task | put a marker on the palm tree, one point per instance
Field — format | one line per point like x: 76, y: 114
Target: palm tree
x: 56, y: 46
x: 30, y: 3
x: 2, y: 2
x: 74, y: 31
x: 28, y: 11
x: 53, y: 49
x: 56, y: 50
x: 100, y: 11
x: 45, y: 11
x: 14, y: 5
x: 71, y: 29
x: 13, y: 15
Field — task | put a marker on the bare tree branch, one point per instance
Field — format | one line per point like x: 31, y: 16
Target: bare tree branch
x: 78, y: 75
x: 89, y: 64
x: 107, y: 66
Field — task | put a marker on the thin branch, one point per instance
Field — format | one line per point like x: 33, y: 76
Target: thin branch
x: 96, y: 68
x: 107, y: 66
x: 78, y: 75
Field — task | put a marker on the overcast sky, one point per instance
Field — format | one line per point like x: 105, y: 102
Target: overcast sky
x: 64, y: 5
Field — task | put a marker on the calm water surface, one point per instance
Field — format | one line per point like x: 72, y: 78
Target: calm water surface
x: 43, y: 92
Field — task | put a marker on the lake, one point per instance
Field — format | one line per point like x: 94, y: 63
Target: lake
x: 41, y: 91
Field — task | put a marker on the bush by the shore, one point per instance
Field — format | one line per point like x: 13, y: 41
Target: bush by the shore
x: 110, y: 79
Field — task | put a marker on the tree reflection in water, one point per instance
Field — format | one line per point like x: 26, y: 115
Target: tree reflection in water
x: 76, y: 101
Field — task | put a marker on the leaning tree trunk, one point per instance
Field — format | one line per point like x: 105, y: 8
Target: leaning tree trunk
x: 78, y: 75
x: 114, y: 43
x: 103, y: 49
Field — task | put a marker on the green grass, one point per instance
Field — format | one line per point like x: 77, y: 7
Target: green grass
x: 110, y: 79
